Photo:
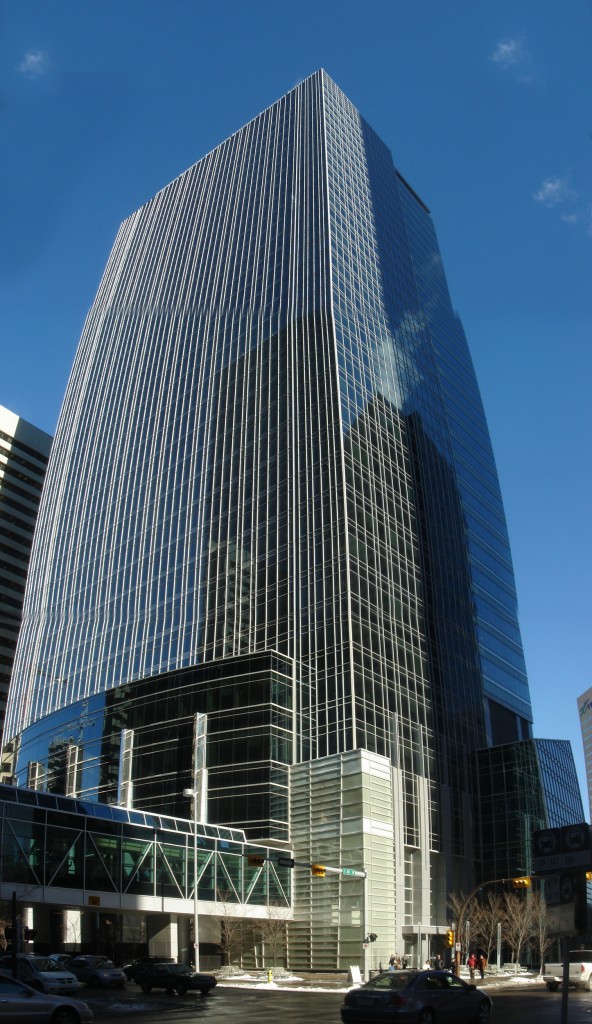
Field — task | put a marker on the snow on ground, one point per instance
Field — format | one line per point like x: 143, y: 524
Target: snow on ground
x: 294, y: 983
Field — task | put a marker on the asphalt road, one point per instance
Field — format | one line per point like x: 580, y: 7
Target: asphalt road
x: 227, y: 1005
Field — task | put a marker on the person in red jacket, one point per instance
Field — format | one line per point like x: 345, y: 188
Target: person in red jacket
x: 471, y: 964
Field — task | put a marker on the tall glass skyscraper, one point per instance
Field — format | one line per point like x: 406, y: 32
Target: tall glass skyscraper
x: 272, y: 499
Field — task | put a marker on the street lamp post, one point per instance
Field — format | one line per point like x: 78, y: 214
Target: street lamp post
x: 199, y: 796
x: 195, y: 794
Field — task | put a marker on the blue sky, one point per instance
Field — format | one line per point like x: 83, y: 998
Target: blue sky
x: 487, y: 110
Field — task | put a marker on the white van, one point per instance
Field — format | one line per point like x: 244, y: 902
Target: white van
x: 41, y: 973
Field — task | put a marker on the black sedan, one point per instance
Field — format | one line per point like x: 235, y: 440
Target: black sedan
x: 175, y: 978
x: 134, y: 970
x: 416, y: 997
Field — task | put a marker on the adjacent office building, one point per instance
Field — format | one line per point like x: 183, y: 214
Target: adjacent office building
x: 24, y: 450
x: 272, y: 501
x: 585, y: 712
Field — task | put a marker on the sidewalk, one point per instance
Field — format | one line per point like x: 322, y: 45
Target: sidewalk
x: 338, y: 980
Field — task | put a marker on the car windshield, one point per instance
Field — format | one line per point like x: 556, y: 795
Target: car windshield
x: 392, y: 979
x: 176, y: 968
x: 92, y: 961
x: 42, y: 964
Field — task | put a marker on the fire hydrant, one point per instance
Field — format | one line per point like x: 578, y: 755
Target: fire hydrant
x: 269, y: 976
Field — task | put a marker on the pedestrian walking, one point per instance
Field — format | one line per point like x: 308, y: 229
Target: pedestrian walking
x: 471, y: 964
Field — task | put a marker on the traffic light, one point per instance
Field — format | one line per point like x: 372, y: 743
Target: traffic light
x: 450, y: 937
x: 521, y: 883
x: 317, y: 870
x: 255, y: 861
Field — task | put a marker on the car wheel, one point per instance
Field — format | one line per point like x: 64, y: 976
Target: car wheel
x: 182, y: 990
x: 552, y: 986
x: 170, y: 991
x: 483, y: 1012
x: 146, y: 987
x: 94, y: 982
x: 205, y: 989
x: 425, y: 1016
x: 64, y: 1015
x: 589, y: 986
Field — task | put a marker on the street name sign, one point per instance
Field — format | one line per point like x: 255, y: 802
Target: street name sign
x: 559, y: 849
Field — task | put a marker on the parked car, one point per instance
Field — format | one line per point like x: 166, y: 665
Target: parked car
x: 98, y: 971
x: 424, y: 997
x: 133, y: 969
x: 41, y: 973
x: 175, y: 978
x: 61, y: 958
x: 21, y: 1004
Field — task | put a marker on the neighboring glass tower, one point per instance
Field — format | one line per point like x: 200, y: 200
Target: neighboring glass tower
x: 523, y: 787
x: 272, y: 499
x: 24, y: 450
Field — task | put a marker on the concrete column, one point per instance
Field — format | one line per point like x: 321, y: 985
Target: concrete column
x: 162, y: 934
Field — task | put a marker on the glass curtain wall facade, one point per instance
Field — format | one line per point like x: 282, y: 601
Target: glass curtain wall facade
x: 273, y: 441
x: 24, y: 450
x: 522, y: 787
x: 58, y: 852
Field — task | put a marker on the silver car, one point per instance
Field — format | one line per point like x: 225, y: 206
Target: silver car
x: 98, y: 971
x: 21, y: 1004
x: 416, y: 997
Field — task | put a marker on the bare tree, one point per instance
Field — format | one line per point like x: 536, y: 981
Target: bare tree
x: 21, y: 892
x: 134, y: 932
x: 272, y: 930
x: 73, y: 932
x: 541, y: 939
x: 486, y: 917
x: 518, y: 923
x: 232, y: 929
x: 458, y: 904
